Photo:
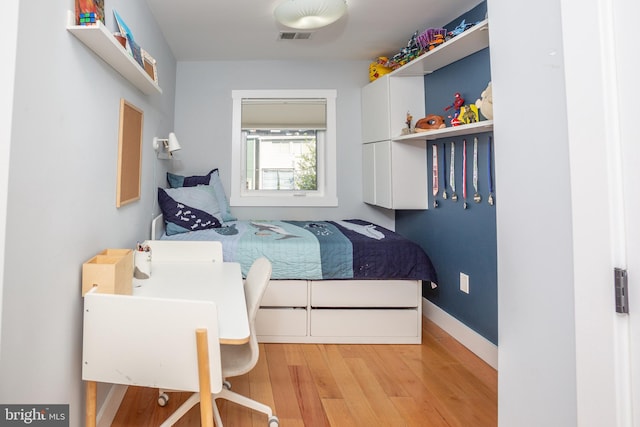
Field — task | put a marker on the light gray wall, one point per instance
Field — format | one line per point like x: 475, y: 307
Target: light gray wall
x: 203, y: 125
x: 9, y: 24
x: 537, y: 350
x: 61, y: 192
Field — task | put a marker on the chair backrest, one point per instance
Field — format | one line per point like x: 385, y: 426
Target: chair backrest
x: 240, y: 359
x: 255, y: 285
x: 148, y: 342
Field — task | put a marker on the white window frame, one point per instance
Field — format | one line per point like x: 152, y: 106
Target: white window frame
x: 325, y: 195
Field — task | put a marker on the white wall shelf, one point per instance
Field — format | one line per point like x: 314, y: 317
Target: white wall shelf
x: 467, y: 43
x: 394, y: 165
x: 99, y: 39
x: 449, y: 132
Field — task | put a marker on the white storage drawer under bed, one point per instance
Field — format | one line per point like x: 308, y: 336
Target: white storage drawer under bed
x: 365, y: 293
x: 285, y: 322
x: 285, y: 293
x: 365, y: 323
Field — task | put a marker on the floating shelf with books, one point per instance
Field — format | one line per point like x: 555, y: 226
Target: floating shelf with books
x: 99, y: 39
x: 449, y: 132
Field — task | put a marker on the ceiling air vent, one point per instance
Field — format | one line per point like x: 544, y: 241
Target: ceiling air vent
x: 292, y: 35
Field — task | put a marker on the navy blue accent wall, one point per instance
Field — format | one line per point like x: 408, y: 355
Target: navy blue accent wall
x: 459, y: 240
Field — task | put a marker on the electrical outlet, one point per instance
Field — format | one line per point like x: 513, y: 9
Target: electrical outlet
x: 464, y: 283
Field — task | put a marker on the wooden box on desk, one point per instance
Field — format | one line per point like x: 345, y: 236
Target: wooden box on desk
x: 111, y: 271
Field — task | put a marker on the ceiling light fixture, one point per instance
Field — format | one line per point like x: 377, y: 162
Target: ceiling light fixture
x: 309, y: 14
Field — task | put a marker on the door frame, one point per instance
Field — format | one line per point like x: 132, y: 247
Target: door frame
x: 592, y: 71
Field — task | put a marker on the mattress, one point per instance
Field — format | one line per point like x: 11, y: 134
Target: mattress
x: 320, y: 250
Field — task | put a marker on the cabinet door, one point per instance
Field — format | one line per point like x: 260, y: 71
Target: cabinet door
x: 376, y: 168
x: 395, y: 174
x: 368, y: 174
x: 409, y: 174
x: 383, y: 177
x: 406, y: 95
x: 375, y: 110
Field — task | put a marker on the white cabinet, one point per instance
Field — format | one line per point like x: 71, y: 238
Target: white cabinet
x: 395, y: 165
x: 385, y: 104
x: 395, y: 174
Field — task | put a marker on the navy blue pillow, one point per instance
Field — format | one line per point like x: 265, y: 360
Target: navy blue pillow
x: 189, y: 209
x: 176, y: 181
x: 213, y: 179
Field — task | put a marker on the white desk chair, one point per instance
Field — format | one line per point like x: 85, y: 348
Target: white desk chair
x: 124, y: 344
x: 240, y: 359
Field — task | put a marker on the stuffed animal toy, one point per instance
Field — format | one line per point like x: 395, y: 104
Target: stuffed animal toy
x: 432, y: 121
x: 485, y: 103
x: 379, y: 68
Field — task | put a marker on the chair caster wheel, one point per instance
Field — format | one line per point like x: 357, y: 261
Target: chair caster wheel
x: 226, y: 384
x: 163, y: 398
x: 273, y: 421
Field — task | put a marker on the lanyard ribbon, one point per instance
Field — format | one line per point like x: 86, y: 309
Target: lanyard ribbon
x: 489, y: 170
x: 452, y: 172
x: 444, y: 170
x: 475, y: 165
x: 434, y: 181
x: 464, y: 173
x: 476, y: 196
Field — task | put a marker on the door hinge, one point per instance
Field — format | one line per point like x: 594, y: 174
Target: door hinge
x: 622, y: 290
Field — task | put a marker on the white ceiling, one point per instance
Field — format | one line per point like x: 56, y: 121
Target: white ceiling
x: 246, y: 29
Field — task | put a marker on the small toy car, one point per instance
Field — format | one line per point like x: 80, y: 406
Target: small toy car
x: 461, y: 28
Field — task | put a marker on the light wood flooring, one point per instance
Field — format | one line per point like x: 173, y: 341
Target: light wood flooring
x: 438, y: 383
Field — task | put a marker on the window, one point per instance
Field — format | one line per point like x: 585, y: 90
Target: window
x: 284, y: 148
x: 281, y: 159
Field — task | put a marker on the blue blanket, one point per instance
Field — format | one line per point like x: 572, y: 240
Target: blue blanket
x: 320, y: 250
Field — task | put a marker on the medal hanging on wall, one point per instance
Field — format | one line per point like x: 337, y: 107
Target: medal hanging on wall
x: 452, y: 172
x: 476, y: 195
x: 444, y: 171
x: 490, y: 199
x: 434, y: 180
x: 464, y: 174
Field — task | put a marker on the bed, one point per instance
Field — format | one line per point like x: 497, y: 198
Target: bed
x: 333, y: 281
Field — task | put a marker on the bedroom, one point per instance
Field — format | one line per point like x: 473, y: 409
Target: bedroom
x: 60, y: 174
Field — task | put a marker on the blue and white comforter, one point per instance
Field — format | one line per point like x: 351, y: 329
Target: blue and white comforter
x: 320, y: 250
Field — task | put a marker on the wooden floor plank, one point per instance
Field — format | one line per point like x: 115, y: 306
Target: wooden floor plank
x: 439, y: 383
x: 355, y: 398
x: 284, y: 391
x: 383, y: 408
x: 316, y: 358
x: 308, y: 398
x: 338, y: 413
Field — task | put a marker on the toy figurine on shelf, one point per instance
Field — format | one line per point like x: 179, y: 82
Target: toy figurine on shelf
x: 407, y: 130
x: 468, y: 114
x: 458, y: 102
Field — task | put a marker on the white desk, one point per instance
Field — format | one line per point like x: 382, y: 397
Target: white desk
x: 220, y: 282
x: 175, y: 278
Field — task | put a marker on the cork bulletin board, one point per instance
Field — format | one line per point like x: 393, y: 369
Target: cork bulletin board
x: 129, y: 153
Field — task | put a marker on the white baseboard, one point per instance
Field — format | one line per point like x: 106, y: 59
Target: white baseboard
x: 483, y: 348
x: 111, y: 404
